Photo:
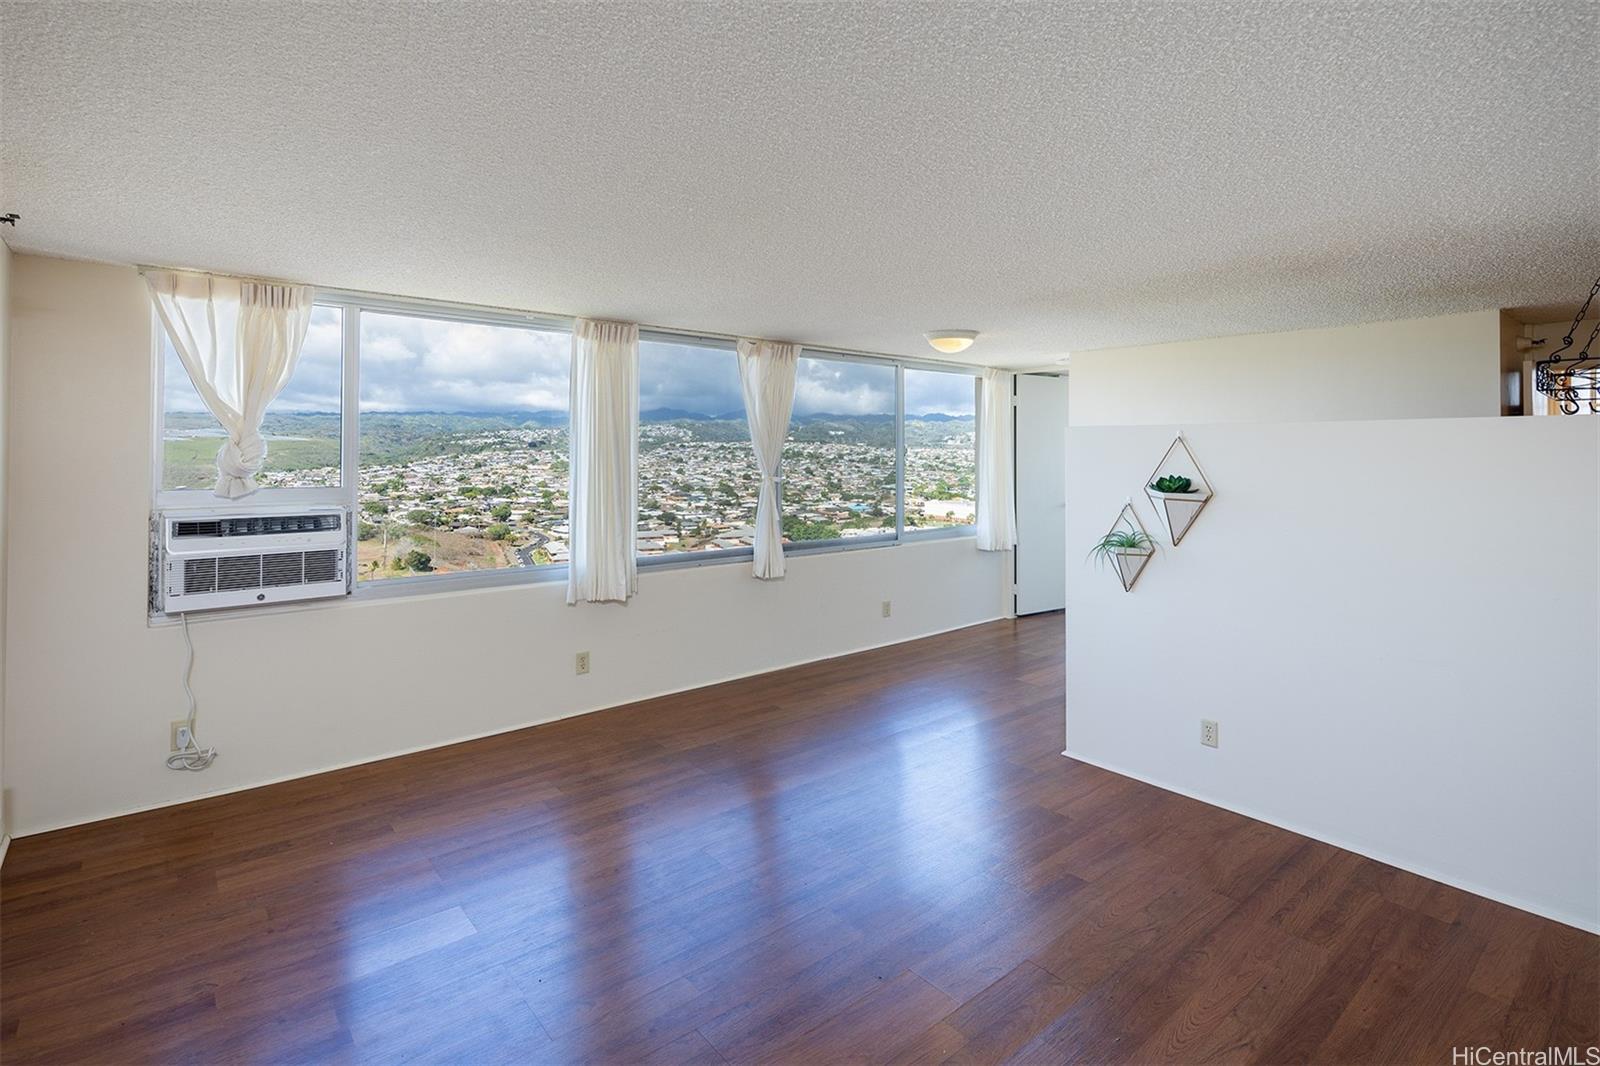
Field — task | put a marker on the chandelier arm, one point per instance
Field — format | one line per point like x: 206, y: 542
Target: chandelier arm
x: 1566, y: 341
x: 1570, y: 382
x: 1583, y: 353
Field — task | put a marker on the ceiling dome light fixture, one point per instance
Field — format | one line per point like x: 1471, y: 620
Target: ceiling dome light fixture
x: 951, y: 341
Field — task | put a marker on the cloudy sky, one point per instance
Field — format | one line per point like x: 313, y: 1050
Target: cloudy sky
x: 421, y: 364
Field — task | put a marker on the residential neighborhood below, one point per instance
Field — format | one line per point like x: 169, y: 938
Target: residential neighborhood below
x: 443, y: 492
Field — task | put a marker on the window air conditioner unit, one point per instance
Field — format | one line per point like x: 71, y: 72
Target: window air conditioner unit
x: 210, y: 559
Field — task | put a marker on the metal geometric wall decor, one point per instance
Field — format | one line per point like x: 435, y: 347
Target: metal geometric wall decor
x: 1178, y: 489
x: 1129, y: 562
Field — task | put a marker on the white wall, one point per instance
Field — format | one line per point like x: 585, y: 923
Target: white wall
x: 1395, y: 624
x: 1444, y: 367
x: 92, y: 687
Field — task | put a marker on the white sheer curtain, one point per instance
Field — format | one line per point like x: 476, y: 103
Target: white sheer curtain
x: 239, y: 340
x: 603, y: 502
x: 766, y: 373
x: 997, y: 511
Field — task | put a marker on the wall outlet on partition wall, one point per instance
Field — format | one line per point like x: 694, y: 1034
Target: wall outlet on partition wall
x: 1208, y: 732
x: 582, y: 662
x: 180, y: 735
x: 886, y: 608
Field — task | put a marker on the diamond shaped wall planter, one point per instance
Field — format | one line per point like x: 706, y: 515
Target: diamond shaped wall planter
x: 1183, y: 490
x: 1128, y: 562
x: 1178, y: 510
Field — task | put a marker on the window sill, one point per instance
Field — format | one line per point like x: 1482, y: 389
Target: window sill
x: 459, y: 581
x: 939, y: 532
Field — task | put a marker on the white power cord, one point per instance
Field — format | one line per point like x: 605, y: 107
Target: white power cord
x: 191, y: 756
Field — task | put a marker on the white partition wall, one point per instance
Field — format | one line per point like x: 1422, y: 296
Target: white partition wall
x: 1395, y: 625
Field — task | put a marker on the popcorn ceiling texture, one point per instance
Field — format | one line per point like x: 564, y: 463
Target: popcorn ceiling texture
x: 1059, y: 176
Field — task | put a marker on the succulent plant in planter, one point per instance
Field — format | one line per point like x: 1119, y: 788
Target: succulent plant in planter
x: 1173, y: 483
x: 1179, y: 500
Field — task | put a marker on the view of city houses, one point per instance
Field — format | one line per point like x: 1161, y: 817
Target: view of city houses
x: 463, y: 445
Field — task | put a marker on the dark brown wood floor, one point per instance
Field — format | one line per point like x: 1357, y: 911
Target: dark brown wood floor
x: 878, y: 858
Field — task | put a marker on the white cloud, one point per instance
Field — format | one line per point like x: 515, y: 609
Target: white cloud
x: 423, y: 364
x: 934, y: 392
x: 832, y: 386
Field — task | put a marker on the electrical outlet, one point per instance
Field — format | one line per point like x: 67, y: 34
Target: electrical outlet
x: 1208, y: 732
x: 886, y: 606
x: 180, y: 737
x: 583, y: 662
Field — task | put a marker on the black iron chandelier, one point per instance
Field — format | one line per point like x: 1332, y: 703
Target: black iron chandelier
x: 1573, y: 382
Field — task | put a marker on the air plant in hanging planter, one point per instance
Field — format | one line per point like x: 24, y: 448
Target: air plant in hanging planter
x: 1121, y: 542
x: 1127, y: 550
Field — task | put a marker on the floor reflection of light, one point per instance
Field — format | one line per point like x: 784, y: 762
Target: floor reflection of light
x: 511, y: 890
x: 945, y: 806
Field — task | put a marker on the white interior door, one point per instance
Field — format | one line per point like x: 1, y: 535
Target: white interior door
x: 1041, y: 556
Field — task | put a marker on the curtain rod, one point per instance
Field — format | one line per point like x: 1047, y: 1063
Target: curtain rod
x: 145, y: 268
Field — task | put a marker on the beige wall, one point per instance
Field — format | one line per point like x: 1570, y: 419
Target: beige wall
x: 1444, y: 367
x: 93, y: 687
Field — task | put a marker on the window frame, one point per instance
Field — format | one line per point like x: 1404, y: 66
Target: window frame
x: 969, y: 529
x: 670, y: 560
x: 351, y: 303
x: 354, y: 303
x: 165, y: 499
x: 801, y: 547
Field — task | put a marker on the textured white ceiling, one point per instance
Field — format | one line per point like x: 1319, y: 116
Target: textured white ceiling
x: 1059, y: 176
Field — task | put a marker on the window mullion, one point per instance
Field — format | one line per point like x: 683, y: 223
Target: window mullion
x: 350, y: 410
x: 899, y: 451
x: 158, y: 362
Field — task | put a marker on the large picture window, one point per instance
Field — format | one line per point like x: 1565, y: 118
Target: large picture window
x: 697, y: 475
x: 463, y: 446
x: 941, y: 448
x: 445, y: 429
x: 839, y: 462
x: 301, y: 427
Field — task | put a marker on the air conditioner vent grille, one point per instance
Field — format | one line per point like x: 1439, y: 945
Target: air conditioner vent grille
x: 236, y: 572
x: 199, y: 575
x: 282, y: 569
x: 322, y: 565
x: 255, y: 526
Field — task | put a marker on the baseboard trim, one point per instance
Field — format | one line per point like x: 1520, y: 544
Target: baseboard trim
x: 1555, y: 914
x: 5, y: 846
x: 517, y: 727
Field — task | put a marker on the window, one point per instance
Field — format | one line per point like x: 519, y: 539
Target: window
x: 839, y: 468
x: 463, y: 446
x: 698, y: 480
x: 301, y: 427
x: 941, y: 448
x: 445, y: 429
